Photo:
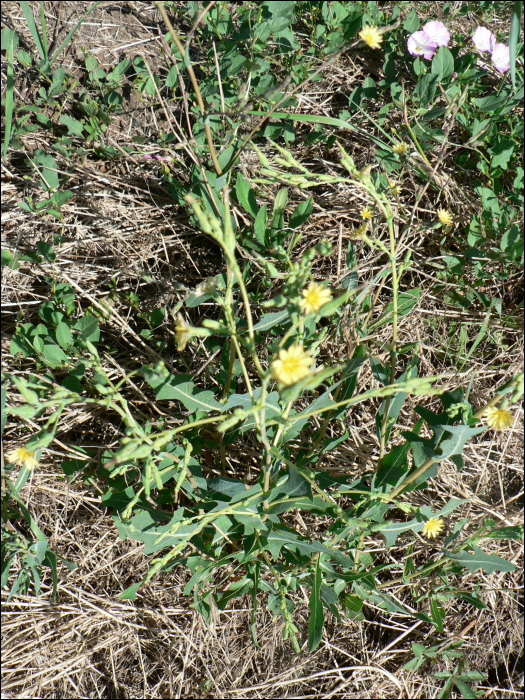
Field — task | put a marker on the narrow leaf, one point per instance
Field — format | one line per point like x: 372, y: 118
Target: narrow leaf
x: 181, y: 388
x: 270, y: 320
x: 514, y: 38
x: 316, y: 623
x: 479, y: 560
x: 246, y: 196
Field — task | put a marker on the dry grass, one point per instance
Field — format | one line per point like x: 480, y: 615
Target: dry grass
x: 122, y: 224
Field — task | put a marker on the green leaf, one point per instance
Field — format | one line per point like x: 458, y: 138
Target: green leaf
x: 489, y: 200
x: 332, y: 306
x: 316, y: 622
x: 491, y: 103
x: 290, y: 393
x: 393, y: 465
x: 279, y: 205
x: 426, y: 89
x: 282, y: 14
x: 144, y: 528
x: 181, y: 388
x: 48, y: 170
x: 60, y: 198
x: 437, y: 614
x: 443, y: 63
x: 296, y: 485
x: 88, y: 326
x: 353, y: 606
x: 157, y: 317
x: 502, y: 154
x: 47, y: 251
x: 465, y: 690
x: 282, y: 537
x: 405, y: 304
x: 9, y: 43
x: 270, y: 320
x: 9, y: 260
x: 455, y: 444
x: 3, y: 412
x: 74, y: 127
x: 391, y: 530
x: 131, y: 592
x: 54, y: 355
x: 64, y: 337
x: 246, y: 196
x: 301, y: 214
x: 26, y: 10
x: 514, y: 37
x: 394, y: 405
x: 260, y: 225
x: 506, y: 533
x: 411, y: 24
x: 479, y: 560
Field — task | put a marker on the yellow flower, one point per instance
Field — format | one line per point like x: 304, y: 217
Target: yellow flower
x: 361, y: 231
x: 292, y: 365
x: 498, y: 418
x: 206, y: 287
x: 315, y: 296
x: 22, y: 457
x: 400, y: 148
x: 445, y: 217
x: 371, y: 36
x: 182, y: 333
x: 433, y: 527
x: 366, y: 214
x: 394, y: 187
x: 364, y: 173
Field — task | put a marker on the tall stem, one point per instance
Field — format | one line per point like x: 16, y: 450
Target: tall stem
x: 393, y: 354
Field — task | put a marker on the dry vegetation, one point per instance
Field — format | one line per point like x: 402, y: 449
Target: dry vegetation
x: 122, y: 224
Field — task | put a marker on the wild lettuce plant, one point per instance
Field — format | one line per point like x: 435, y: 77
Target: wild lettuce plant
x: 277, y: 387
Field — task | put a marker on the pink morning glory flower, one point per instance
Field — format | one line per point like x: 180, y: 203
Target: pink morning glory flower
x: 484, y: 40
x: 501, y: 58
x: 150, y: 157
x: 437, y: 33
x: 420, y: 44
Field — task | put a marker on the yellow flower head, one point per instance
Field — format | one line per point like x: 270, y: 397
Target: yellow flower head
x: 366, y: 214
x: 314, y: 296
x: 361, y: 231
x: 433, y: 528
x: 400, y: 148
x: 364, y: 173
x: 291, y: 365
x: 182, y: 333
x: 394, y: 187
x: 22, y: 457
x: 445, y: 217
x: 498, y: 418
x: 206, y: 287
x: 371, y: 36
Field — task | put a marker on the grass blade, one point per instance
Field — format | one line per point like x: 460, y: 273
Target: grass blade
x: 72, y: 32
x: 514, y: 38
x: 9, y: 43
x: 44, y: 33
x: 26, y: 10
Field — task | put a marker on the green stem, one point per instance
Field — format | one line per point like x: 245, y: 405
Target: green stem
x: 195, y: 84
x: 393, y: 354
x: 267, y: 447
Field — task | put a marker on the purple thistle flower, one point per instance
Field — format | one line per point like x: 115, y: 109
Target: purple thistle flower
x: 420, y: 44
